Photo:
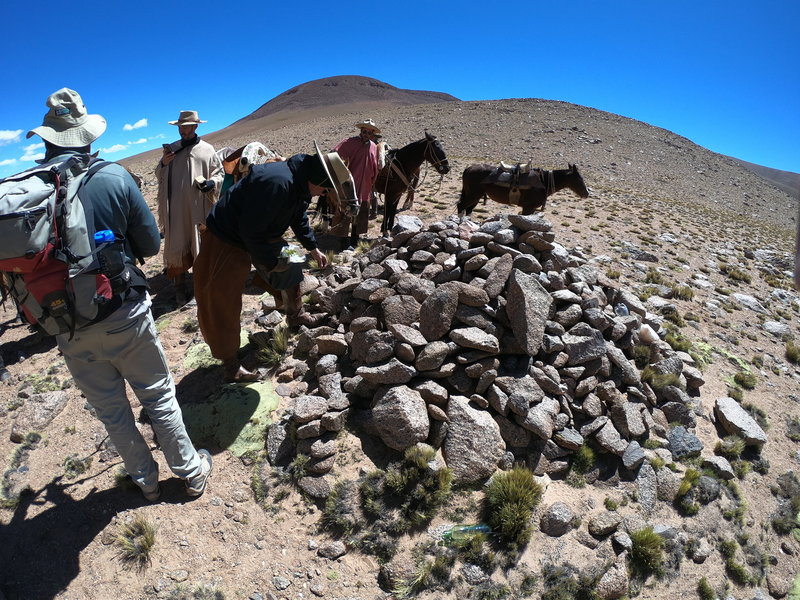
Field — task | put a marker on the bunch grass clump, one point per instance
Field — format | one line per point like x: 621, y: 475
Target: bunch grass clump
x: 274, y: 352
x: 658, y: 381
x: 745, y: 380
x: 704, y: 590
x: 731, y: 447
x: 647, y: 553
x: 683, y: 500
x: 735, y: 570
x: 683, y: 292
x: 74, y: 465
x: 383, y: 505
x: 135, y: 541
x: 565, y: 582
x: 793, y: 352
x: 511, y: 497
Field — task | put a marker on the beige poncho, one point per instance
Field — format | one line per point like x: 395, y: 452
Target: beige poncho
x: 182, y: 206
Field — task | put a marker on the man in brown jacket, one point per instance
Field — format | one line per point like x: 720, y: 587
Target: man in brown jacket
x: 189, y: 178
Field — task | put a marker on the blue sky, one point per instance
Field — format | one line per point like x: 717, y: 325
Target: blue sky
x: 724, y: 74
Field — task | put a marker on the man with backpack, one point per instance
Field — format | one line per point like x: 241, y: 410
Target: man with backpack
x: 120, y: 343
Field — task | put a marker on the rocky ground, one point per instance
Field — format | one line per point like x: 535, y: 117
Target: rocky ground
x: 661, y: 209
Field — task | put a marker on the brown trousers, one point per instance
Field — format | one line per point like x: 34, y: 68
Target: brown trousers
x: 220, y: 274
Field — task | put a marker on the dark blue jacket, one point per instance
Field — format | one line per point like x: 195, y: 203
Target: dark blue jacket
x: 118, y: 205
x: 256, y: 212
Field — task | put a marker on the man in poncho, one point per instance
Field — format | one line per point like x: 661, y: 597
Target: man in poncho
x: 189, y: 178
x: 360, y: 154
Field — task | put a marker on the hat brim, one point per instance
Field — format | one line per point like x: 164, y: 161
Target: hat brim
x: 342, y: 184
x: 372, y: 128
x: 187, y: 122
x: 72, y: 137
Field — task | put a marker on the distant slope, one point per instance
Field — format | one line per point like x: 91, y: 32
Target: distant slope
x: 783, y: 180
x: 344, y: 90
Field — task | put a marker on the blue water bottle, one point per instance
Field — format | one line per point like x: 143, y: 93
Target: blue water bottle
x: 111, y: 255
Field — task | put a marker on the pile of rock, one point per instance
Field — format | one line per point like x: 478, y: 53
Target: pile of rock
x: 491, y: 342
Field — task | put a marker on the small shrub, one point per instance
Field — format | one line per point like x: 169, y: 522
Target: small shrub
x: 273, y: 354
x: 705, y: 591
x: 659, y: 381
x: 511, y: 497
x: 135, y: 541
x: 584, y: 459
x: 731, y: 447
x: 745, y: 380
x: 678, y: 342
x: 613, y: 274
x: 190, y: 325
x: 642, y: 356
x: 565, y: 583
x: 610, y: 504
x: 683, y: 292
x: 647, y: 552
x: 793, y: 429
x: 737, y: 394
x: 793, y: 352
x: 654, y: 276
x: 74, y: 466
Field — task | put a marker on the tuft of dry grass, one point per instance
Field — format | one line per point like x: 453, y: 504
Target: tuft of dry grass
x: 135, y: 541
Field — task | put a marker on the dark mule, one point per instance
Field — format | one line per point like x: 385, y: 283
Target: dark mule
x: 401, y: 173
x: 533, y: 196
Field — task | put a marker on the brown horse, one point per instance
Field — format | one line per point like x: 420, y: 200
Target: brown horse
x: 477, y: 184
x: 402, y: 172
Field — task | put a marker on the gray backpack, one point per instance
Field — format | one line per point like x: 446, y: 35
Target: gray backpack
x: 48, y: 257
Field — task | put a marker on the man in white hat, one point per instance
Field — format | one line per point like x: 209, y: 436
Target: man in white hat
x: 246, y: 226
x: 122, y: 344
x: 360, y: 154
x: 189, y: 178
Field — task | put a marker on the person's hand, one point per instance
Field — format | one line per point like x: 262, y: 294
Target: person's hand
x: 206, y: 186
x: 167, y: 157
x: 320, y: 257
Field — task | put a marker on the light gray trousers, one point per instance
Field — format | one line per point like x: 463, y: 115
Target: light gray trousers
x: 125, y: 347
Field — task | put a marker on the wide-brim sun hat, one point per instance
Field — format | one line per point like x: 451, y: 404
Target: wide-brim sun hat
x: 67, y: 124
x: 187, y: 117
x: 368, y: 124
x: 337, y: 172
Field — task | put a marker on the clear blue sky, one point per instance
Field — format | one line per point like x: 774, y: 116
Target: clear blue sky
x: 724, y: 74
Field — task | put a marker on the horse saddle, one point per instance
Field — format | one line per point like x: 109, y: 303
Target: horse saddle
x: 238, y: 163
x: 520, y: 176
x: 517, y: 177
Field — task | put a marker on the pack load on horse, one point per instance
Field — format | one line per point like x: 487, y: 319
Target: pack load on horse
x: 237, y: 162
x: 516, y: 185
x: 401, y: 173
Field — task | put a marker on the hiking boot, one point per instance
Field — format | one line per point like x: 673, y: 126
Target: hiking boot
x: 152, y: 494
x: 195, y: 486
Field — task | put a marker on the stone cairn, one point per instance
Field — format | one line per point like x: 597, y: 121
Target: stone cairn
x: 491, y: 342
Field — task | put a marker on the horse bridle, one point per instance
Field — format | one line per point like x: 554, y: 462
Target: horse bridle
x: 436, y: 162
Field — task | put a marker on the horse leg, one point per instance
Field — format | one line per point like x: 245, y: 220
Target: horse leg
x: 411, y: 191
x: 391, y: 202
